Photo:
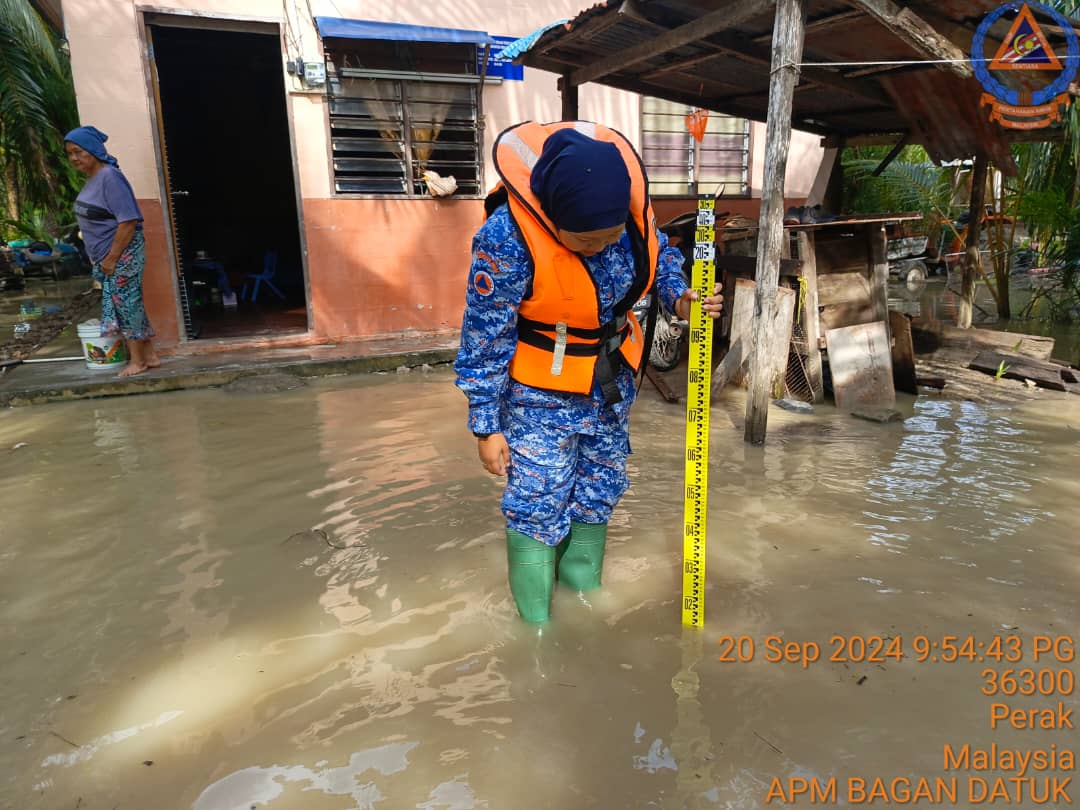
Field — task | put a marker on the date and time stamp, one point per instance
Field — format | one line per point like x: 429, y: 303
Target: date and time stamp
x: 1011, y: 670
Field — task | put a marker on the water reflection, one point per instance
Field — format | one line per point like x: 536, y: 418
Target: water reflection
x: 937, y: 300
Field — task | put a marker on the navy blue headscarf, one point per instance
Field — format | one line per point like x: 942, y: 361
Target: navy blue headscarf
x: 582, y: 184
x: 92, y: 140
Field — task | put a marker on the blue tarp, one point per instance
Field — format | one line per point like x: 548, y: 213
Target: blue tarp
x: 341, y: 28
x: 520, y: 46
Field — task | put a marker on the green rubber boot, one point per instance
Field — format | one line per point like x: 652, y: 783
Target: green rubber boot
x: 560, y: 551
x: 532, y: 575
x: 583, y: 560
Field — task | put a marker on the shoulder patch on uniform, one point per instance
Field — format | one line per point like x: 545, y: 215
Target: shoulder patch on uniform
x: 483, y: 283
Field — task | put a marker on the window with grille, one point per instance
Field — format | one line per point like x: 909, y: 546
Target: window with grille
x: 680, y: 166
x: 400, y: 109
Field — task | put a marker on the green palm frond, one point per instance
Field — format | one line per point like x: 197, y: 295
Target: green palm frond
x: 37, y: 105
x: 21, y: 19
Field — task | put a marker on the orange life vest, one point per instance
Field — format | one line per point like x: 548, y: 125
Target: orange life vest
x: 561, y: 342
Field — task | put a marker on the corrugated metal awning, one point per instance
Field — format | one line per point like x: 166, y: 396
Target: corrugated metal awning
x: 342, y: 28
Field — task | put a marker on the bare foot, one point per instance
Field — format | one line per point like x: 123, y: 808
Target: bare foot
x: 153, y: 362
x: 131, y: 369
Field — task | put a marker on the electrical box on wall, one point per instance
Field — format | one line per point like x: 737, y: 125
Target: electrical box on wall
x: 314, y: 73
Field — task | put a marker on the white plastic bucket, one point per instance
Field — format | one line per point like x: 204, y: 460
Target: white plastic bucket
x: 100, y: 352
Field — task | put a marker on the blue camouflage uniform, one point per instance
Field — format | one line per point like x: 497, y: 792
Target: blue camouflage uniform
x: 567, y: 451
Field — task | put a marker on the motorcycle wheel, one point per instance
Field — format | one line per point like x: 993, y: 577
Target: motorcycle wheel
x: 666, y: 347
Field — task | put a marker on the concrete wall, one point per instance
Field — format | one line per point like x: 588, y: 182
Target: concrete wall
x: 375, y: 266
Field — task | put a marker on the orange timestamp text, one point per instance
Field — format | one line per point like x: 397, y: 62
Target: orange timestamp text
x: 859, y: 649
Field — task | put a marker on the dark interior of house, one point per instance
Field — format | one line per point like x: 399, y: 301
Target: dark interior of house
x: 231, y: 181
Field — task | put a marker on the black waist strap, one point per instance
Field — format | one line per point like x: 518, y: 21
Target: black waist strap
x: 603, y: 344
x: 611, y: 334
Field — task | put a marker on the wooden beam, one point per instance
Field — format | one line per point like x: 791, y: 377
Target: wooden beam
x: 811, y: 324
x: 786, y: 54
x: 683, y: 64
x: 889, y: 158
x: 661, y: 384
x: 917, y: 33
x: 759, y: 55
x: 691, y: 99
x: 569, y: 93
x: 821, y: 24
x: 726, y: 17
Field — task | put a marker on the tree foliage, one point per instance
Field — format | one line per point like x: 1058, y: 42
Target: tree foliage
x: 37, y: 106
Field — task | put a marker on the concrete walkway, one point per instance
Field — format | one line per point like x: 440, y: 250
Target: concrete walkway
x: 37, y: 383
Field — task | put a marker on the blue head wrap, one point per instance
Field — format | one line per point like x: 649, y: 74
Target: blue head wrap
x: 92, y: 140
x: 582, y: 184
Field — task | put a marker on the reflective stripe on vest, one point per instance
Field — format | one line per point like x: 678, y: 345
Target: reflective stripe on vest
x: 560, y: 335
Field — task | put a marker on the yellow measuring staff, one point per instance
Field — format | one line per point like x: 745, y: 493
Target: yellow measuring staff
x: 699, y: 384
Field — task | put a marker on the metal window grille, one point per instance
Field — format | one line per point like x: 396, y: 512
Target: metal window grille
x: 680, y: 166
x: 393, y: 118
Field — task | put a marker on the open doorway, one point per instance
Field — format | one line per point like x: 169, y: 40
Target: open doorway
x: 229, y: 178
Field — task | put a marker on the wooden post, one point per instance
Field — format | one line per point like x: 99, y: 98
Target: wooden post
x: 812, y: 326
x: 569, y: 99
x: 972, y: 259
x: 879, y: 271
x: 788, y: 34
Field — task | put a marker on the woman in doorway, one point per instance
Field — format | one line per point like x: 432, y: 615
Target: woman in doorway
x: 111, y: 225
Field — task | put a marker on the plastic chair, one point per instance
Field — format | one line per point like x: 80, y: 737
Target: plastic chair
x: 265, y: 277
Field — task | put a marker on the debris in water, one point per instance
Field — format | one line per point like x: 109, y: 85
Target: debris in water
x: 794, y: 405
x: 882, y: 415
x: 65, y: 739
x: 773, y: 747
x: 314, y: 534
x: 860, y: 681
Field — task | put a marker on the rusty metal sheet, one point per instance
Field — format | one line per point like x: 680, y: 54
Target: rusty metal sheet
x: 938, y: 107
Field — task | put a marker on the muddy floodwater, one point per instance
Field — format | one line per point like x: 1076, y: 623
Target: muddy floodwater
x: 230, y: 600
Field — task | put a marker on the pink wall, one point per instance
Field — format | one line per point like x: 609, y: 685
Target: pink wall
x: 387, y: 266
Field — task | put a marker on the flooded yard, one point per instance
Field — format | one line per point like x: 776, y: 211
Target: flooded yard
x: 222, y: 601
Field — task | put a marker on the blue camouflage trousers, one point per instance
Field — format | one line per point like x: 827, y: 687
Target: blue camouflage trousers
x: 562, y: 472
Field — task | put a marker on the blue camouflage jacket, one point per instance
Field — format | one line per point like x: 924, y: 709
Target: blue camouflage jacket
x: 499, y: 277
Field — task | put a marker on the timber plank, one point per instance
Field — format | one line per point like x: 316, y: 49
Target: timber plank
x: 1017, y: 367
x: 840, y: 315
x: 903, y: 354
x: 860, y: 360
x: 742, y: 316
x: 843, y: 288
